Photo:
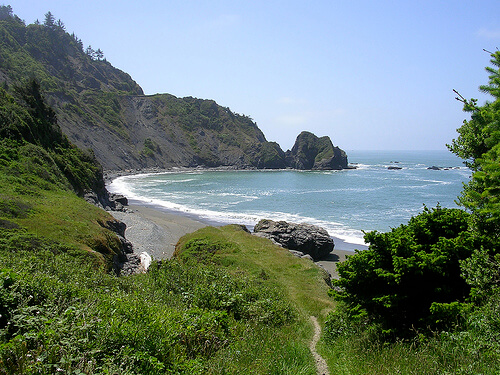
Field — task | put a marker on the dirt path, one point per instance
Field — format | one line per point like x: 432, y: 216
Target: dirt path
x: 321, y: 366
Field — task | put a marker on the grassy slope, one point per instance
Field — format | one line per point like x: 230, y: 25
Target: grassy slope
x: 243, y: 311
x: 301, y: 282
x: 61, y: 216
x: 60, y: 311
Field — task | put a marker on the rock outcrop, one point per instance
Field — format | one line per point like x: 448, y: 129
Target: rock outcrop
x: 306, y: 238
x: 317, y: 153
x: 106, y: 200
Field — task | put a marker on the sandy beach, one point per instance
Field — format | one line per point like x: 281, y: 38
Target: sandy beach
x: 156, y: 231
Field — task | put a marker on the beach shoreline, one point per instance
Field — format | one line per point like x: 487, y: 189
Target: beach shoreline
x: 156, y: 230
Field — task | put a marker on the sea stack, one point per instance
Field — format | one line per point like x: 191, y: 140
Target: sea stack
x: 315, y: 153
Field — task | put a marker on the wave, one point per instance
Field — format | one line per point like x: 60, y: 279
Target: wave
x: 370, y: 197
x: 349, y: 235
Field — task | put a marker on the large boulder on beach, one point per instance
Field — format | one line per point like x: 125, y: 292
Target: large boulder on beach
x: 306, y: 238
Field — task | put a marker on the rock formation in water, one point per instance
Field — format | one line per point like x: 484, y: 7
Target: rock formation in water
x: 312, y: 152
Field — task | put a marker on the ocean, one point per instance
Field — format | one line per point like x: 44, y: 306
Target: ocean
x: 345, y: 203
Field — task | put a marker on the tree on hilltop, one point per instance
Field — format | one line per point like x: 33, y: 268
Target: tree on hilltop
x: 5, y: 12
x: 99, y: 55
x: 90, y: 52
x: 60, y: 24
x: 50, y: 20
x: 94, y: 54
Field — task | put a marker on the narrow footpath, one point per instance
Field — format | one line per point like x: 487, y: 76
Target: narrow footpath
x: 321, y: 366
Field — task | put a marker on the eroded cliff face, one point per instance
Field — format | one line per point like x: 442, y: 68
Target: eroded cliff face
x: 165, y: 131
x: 103, y: 109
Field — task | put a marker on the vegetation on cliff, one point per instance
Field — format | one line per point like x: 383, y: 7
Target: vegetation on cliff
x: 63, y: 310
x: 312, y: 152
x: 42, y: 176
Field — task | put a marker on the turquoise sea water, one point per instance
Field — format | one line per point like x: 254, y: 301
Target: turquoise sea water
x: 347, y: 202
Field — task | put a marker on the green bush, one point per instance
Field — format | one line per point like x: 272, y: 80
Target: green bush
x: 408, y: 275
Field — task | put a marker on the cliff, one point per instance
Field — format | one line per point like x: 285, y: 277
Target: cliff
x: 103, y: 109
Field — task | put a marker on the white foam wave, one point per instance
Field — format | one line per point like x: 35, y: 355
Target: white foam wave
x: 338, y: 230
x: 226, y: 194
x: 166, y: 181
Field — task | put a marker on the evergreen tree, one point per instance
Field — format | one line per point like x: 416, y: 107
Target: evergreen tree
x: 78, y: 41
x: 99, y: 54
x: 60, y: 24
x: 479, y: 144
x: 5, y: 12
x: 50, y: 20
x: 90, y: 52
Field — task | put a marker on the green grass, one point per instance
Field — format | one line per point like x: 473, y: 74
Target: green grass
x: 299, y: 281
x: 60, y: 312
x: 59, y: 215
x: 357, y: 354
x: 303, y: 282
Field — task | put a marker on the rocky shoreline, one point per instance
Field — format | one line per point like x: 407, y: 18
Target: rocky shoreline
x: 156, y: 230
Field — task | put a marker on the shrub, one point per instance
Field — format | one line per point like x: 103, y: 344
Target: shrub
x: 407, y: 276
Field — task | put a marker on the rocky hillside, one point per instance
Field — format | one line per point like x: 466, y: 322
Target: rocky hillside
x: 103, y: 109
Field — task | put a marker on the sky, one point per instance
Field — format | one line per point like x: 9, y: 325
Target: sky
x: 371, y: 75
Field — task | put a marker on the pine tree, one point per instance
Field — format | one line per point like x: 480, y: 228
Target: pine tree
x: 99, y: 54
x: 90, y: 52
x: 50, y: 20
x: 60, y: 24
x: 5, y: 12
x: 479, y: 144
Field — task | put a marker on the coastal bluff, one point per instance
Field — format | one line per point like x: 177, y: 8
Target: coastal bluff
x: 102, y: 109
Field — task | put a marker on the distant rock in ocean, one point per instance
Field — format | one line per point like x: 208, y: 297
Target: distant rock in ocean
x: 316, y: 153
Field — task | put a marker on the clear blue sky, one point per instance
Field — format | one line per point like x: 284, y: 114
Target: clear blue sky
x: 369, y: 74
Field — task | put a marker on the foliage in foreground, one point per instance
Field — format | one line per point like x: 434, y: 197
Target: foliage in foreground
x: 409, y: 278
x: 432, y: 284
x: 419, y: 300
x: 61, y: 314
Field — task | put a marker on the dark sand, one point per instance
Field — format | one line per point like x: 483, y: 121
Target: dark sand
x: 156, y: 231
